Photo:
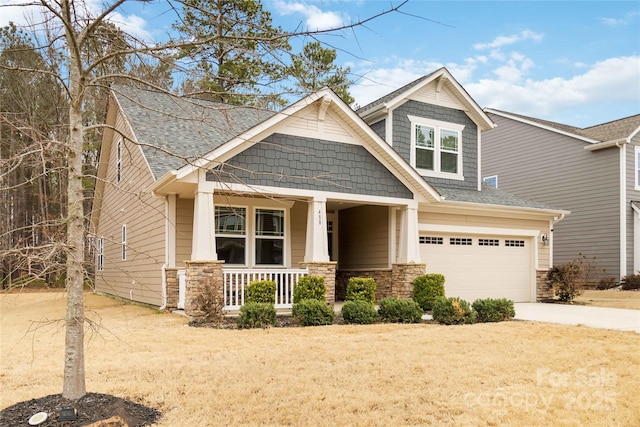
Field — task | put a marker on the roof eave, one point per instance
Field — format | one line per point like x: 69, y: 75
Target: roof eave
x: 506, y: 208
x: 608, y: 144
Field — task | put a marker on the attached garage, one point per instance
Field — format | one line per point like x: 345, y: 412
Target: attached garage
x: 482, y: 266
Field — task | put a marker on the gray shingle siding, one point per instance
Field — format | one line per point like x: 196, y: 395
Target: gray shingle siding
x: 304, y: 163
x: 402, y: 139
x: 380, y: 128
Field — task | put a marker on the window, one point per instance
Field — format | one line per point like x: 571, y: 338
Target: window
x: 119, y: 161
x: 99, y: 254
x: 269, y: 237
x: 460, y: 241
x: 514, y: 243
x: 436, y: 148
x: 427, y: 240
x: 124, y: 242
x: 637, y: 151
x: 491, y: 180
x: 231, y: 232
x: 488, y: 242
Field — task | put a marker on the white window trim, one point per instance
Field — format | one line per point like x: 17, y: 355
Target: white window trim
x: 119, y: 160
x: 637, y: 183
x: 251, y: 236
x: 124, y: 242
x: 489, y: 177
x: 438, y: 126
x: 99, y: 254
x: 247, y: 219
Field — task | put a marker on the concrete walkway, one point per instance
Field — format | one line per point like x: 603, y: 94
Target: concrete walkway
x: 595, y: 317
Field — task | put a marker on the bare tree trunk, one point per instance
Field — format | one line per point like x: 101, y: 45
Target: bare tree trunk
x: 74, y: 377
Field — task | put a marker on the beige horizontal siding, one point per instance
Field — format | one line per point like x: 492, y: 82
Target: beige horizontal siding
x: 364, y: 237
x: 184, y: 230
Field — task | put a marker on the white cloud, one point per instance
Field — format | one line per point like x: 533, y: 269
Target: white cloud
x: 501, y: 41
x: 616, y: 22
x: 614, y: 79
x: 316, y: 18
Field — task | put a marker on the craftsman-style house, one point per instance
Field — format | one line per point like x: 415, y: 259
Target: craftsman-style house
x: 192, y: 192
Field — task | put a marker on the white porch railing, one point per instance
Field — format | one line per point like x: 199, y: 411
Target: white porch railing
x: 235, y: 281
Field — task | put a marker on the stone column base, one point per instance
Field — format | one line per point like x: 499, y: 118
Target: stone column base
x: 402, y: 276
x: 543, y: 291
x: 171, y: 276
x: 326, y: 270
x: 199, y: 275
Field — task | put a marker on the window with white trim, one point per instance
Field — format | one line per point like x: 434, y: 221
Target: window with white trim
x: 231, y: 234
x: 119, y: 161
x: 491, y: 180
x: 269, y: 240
x: 637, y: 152
x: 436, y: 148
x: 124, y: 242
x: 99, y: 253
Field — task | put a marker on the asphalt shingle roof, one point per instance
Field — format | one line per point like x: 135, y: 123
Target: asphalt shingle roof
x: 393, y: 94
x: 609, y: 131
x: 489, y: 195
x: 174, y: 131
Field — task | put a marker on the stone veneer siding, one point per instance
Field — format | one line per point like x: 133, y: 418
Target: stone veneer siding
x: 402, y: 277
x: 402, y: 139
x: 382, y: 278
x: 173, y: 290
x: 199, y: 274
x: 543, y: 292
x: 326, y: 270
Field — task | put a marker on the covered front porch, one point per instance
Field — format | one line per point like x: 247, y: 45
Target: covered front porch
x: 228, y: 239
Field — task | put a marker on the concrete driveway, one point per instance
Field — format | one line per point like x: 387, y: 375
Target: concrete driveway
x: 596, y: 317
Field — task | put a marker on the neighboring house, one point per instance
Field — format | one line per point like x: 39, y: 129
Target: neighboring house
x: 191, y: 193
x: 594, y: 172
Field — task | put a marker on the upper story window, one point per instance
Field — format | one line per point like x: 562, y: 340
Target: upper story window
x: 119, y: 160
x: 491, y: 180
x: 436, y: 148
x: 637, y: 170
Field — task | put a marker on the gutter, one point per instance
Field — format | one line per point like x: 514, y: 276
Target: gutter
x: 607, y: 144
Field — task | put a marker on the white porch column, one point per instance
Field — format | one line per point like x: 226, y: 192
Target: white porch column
x: 203, y: 247
x: 409, y: 250
x: 317, y: 248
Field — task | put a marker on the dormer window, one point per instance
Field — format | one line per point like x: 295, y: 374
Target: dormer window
x: 436, y: 148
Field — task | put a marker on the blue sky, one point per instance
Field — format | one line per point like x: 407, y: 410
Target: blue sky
x: 574, y: 62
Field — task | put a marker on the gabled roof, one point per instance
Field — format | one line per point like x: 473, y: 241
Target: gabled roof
x: 444, y: 77
x: 610, y: 131
x: 173, y: 131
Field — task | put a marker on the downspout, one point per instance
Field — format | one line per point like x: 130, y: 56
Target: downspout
x: 552, y: 224
x: 164, y: 287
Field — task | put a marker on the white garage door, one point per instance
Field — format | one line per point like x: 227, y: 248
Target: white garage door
x: 480, y: 266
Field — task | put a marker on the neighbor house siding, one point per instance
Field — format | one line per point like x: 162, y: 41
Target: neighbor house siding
x: 364, y: 238
x: 402, y: 139
x: 184, y: 230
x: 631, y: 195
x: 139, y: 277
x: 556, y: 170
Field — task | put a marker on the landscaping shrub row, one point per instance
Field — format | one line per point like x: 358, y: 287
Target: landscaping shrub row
x: 456, y: 311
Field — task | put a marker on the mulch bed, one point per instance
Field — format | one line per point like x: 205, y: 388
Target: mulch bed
x: 91, y: 408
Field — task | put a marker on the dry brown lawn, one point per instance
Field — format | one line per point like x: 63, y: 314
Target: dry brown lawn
x: 612, y: 299
x: 512, y: 373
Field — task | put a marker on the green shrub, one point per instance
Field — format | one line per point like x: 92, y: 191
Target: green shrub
x: 397, y: 310
x: 361, y: 289
x: 309, y: 287
x: 261, y: 291
x: 630, y: 282
x: 566, y: 280
x: 360, y: 312
x: 452, y: 311
x: 257, y: 315
x: 493, y: 310
x: 426, y: 288
x: 312, y: 312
